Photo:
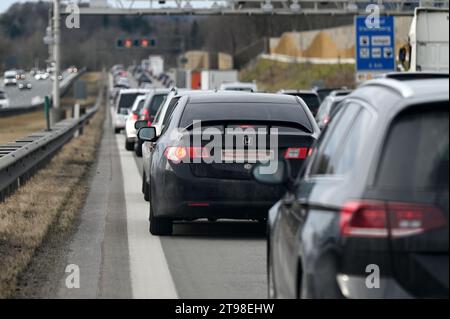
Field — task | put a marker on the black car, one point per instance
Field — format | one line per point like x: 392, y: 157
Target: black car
x: 367, y: 217
x: 311, y: 98
x: 199, y: 173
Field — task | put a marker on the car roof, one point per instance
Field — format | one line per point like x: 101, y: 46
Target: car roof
x: 293, y: 91
x: 411, y: 89
x: 187, y: 92
x: 340, y: 92
x: 130, y: 91
x: 246, y: 84
x: 389, y: 97
x: 160, y: 91
x: 242, y: 97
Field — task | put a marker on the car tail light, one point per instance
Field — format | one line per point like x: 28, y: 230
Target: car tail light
x: 135, y: 116
x: 146, y: 114
x: 411, y: 219
x: 380, y: 219
x: 326, y: 120
x: 296, y: 153
x: 177, y: 154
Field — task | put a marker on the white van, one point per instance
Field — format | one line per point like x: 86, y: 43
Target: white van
x: 427, y: 50
x: 10, y: 78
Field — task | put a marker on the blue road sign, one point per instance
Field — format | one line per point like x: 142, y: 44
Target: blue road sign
x: 375, y: 46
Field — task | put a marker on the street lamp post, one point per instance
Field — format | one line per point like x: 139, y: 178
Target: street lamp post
x: 57, y: 113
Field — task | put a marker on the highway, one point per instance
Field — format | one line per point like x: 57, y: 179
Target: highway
x: 118, y: 258
x: 41, y: 88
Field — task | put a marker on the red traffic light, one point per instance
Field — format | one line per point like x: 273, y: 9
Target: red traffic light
x: 128, y: 43
x: 145, y: 43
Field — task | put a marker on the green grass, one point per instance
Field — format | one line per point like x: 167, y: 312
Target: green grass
x: 272, y: 76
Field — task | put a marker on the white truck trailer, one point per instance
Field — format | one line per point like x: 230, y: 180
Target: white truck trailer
x: 213, y: 79
x: 427, y: 50
x: 156, y: 64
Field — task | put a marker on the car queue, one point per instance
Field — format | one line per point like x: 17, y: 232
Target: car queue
x: 363, y: 183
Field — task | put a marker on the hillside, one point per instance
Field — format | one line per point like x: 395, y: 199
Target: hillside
x: 272, y: 76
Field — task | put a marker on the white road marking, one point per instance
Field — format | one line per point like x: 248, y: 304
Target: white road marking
x: 150, y: 274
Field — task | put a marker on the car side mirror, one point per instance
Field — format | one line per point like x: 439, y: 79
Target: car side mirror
x: 272, y: 173
x: 140, y: 124
x: 124, y: 111
x: 402, y: 55
x: 147, y: 134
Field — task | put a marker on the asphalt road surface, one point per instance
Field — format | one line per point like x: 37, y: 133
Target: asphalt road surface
x: 40, y: 88
x: 118, y: 257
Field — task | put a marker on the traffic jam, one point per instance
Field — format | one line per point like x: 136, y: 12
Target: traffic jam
x: 221, y: 159
x: 355, y: 187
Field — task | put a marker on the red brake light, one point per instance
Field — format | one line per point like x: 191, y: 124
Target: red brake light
x: 177, y: 154
x: 410, y: 219
x: 363, y: 219
x: 370, y: 219
x: 146, y: 114
x: 296, y: 153
x: 326, y: 120
x: 135, y: 116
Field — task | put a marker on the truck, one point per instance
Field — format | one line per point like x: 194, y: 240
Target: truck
x: 156, y: 65
x: 213, y: 79
x: 427, y: 48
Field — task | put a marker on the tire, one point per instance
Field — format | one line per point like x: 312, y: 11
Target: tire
x: 129, y: 146
x: 159, y: 226
x: 270, y: 284
x: 146, y: 188
x: 138, y: 149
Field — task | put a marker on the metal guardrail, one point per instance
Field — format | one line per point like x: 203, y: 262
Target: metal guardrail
x: 17, y: 110
x: 21, y: 159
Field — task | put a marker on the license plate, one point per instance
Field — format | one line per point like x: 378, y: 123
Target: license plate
x: 244, y: 156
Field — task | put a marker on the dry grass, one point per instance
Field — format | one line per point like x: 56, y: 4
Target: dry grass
x: 272, y: 76
x: 50, y: 200
x: 15, y: 127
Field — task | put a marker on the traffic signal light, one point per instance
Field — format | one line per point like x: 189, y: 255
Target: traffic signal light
x: 136, y: 43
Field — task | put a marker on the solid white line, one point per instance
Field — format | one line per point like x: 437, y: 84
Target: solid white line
x: 150, y: 274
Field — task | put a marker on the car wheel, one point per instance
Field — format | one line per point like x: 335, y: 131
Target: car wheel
x: 146, y: 189
x: 138, y: 149
x: 303, y: 290
x: 129, y: 145
x: 144, y: 177
x: 159, y: 226
x: 270, y: 283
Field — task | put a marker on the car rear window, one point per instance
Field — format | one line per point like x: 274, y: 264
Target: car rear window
x: 127, y: 100
x: 416, y: 152
x: 311, y: 100
x: 156, y: 102
x: 293, y: 113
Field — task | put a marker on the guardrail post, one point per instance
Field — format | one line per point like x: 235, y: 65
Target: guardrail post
x: 47, y: 112
x: 76, y: 116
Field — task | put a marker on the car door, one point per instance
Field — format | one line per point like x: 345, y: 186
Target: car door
x: 295, y: 207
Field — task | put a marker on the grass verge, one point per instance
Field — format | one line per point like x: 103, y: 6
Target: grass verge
x: 50, y: 201
x: 272, y: 76
x: 15, y: 127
